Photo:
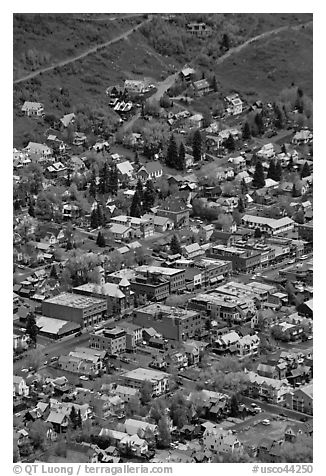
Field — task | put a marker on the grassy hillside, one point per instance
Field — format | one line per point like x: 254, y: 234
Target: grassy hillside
x: 41, y: 40
x: 265, y: 67
x: 262, y: 68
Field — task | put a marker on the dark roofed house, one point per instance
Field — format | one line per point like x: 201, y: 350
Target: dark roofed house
x: 150, y: 171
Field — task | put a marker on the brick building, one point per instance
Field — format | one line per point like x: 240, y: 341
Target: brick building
x: 173, y: 323
x: 85, y: 310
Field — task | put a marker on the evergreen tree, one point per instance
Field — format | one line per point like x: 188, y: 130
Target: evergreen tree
x: 214, y: 84
x: 68, y: 245
x: 164, y: 435
x: 172, y: 154
x: 229, y: 143
x: 290, y: 164
x: 295, y: 191
x: 68, y: 181
x: 175, y: 245
x: 100, y: 215
x: 53, y: 273
x: 283, y: 149
x: 241, y: 207
x: 225, y: 42
x: 305, y: 172
x: 92, y: 185
x: 271, y: 170
x: 278, y: 171
x: 139, y: 189
x: 136, y: 158
x: 244, y: 187
x: 94, y: 218
x: 182, y: 157
x: 73, y: 417
x: 100, y: 241
x: 257, y: 233
x: 234, y: 406
x: 197, y: 146
x: 258, y: 179
x: 31, y: 327
x: 246, y: 132
x: 260, y: 123
x: 113, y: 182
x: 136, y: 206
x: 279, y: 119
x: 79, y: 419
x: 104, y: 180
x: 31, y: 210
x: 148, y: 196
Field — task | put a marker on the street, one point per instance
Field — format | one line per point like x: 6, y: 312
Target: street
x: 275, y: 409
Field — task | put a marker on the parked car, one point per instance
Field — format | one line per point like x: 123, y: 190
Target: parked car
x: 266, y: 422
x: 83, y: 377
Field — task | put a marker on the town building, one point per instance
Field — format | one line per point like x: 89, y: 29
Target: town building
x: 242, y: 259
x: 268, y: 389
x: 119, y: 297
x: 137, y: 377
x: 174, y: 277
x: 113, y: 340
x: 176, y: 211
x: 85, y: 310
x: 301, y: 399
x: 223, y: 307
x: 171, y: 322
x: 145, y: 226
x: 269, y: 225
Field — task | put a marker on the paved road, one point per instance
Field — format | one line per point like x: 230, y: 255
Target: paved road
x: 162, y: 87
x: 94, y: 49
x: 275, y: 409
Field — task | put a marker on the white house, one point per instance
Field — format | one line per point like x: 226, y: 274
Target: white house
x: 19, y: 387
x: 219, y: 440
x: 235, y: 105
x: 30, y: 108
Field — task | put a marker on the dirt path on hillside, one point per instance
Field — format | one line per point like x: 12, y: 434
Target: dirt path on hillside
x: 94, y: 49
x: 266, y: 34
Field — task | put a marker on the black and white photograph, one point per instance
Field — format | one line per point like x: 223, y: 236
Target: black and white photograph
x: 162, y: 231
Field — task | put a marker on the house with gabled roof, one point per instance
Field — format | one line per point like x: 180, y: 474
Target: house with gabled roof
x: 150, y: 171
x: 30, y: 108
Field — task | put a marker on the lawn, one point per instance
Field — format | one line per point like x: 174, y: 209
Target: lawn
x: 71, y: 457
x: 257, y: 432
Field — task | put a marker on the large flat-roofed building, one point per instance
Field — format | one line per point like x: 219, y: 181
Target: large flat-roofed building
x: 111, y: 340
x: 269, y: 225
x: 242, y: 259
x: 170, y: 280
x: 247, y: 291
x: 137, y: 377
x: 119, y: 297
x: 171, y: 322
x: 85, y: 310
x: 225, y: 307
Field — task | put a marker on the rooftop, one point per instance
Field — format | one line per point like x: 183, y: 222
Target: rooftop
x: 157, y: 269
x: 146, y: 374
x: 74, y: 300
x: 168, y: 311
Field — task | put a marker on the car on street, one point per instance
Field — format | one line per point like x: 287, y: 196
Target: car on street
x: 83, y: 377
